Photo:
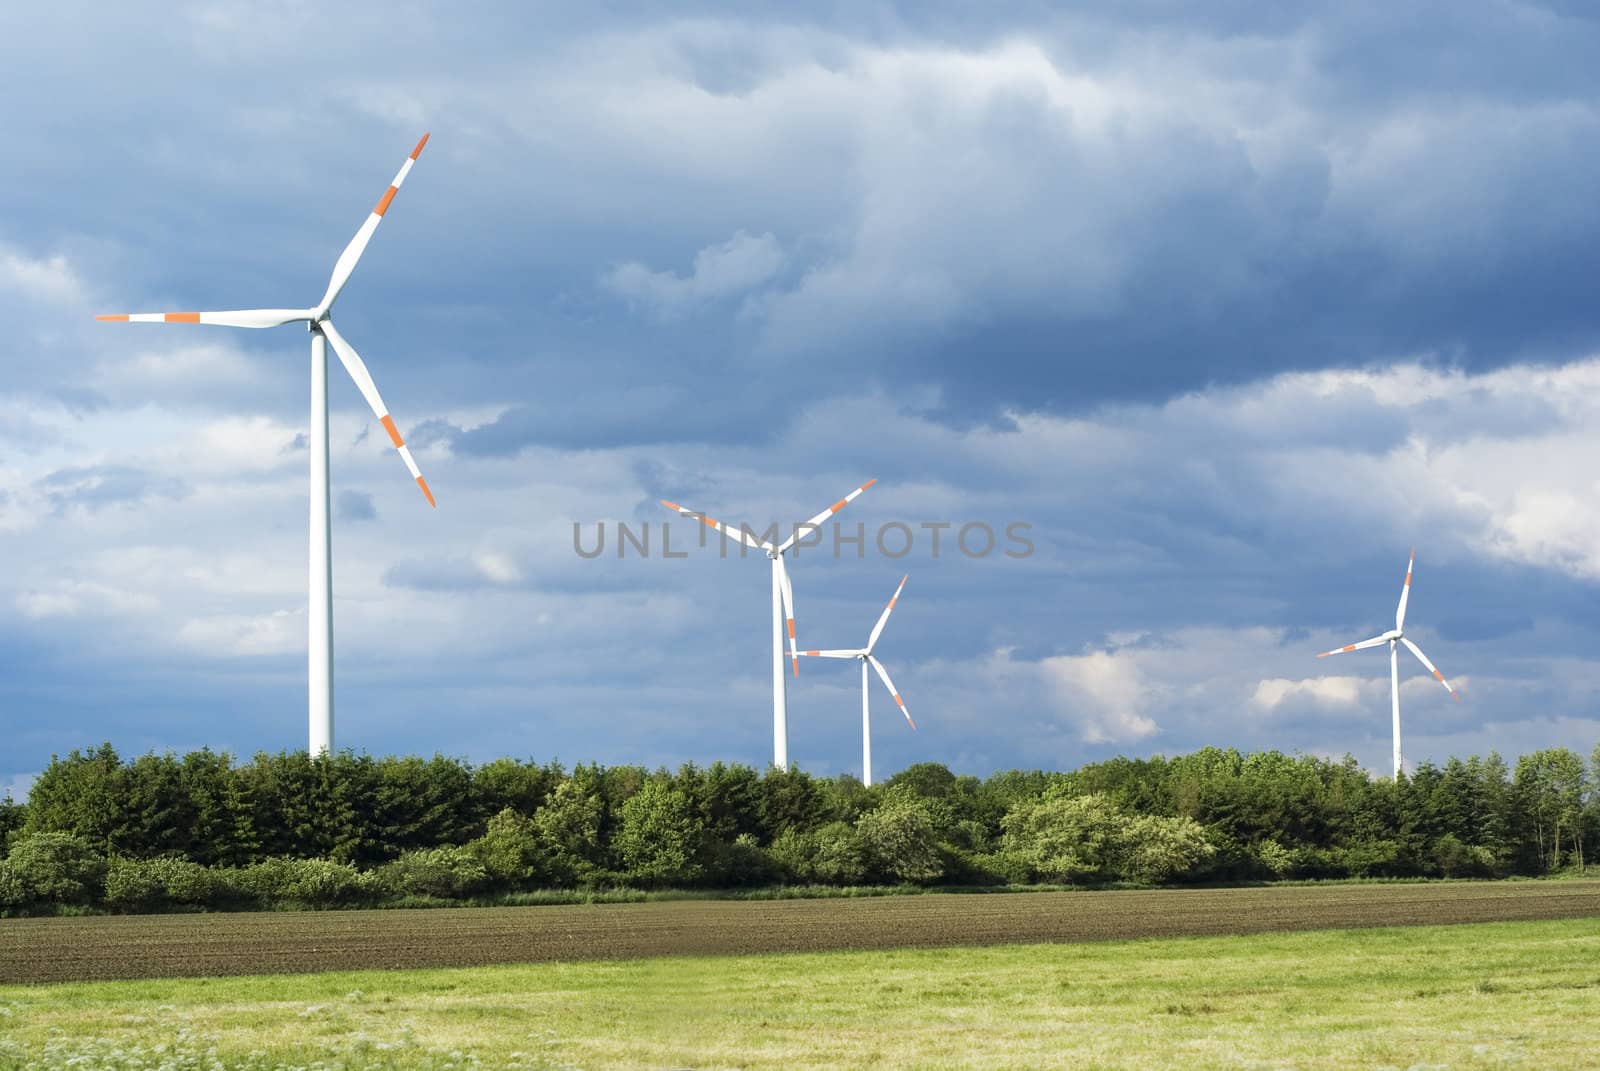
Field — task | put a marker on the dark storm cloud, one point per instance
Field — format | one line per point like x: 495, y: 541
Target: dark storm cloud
x: 744, y: 253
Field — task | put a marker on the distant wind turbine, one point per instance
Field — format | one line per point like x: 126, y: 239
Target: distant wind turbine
x: 320, y: 610
x: 782, y: 606
x: 865, y: 656
x: 1394, y: 638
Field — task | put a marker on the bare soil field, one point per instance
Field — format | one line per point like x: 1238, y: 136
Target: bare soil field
x: 161, y: 946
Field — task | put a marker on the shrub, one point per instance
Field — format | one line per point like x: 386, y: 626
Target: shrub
x: 742, y: 862
x: 659, y: 842
x: 308, y: 882
x: 451, y: 872
x: 132, y: 885
x: 1062, y: 837
x: 58, y: 868
x: 1274, y: 858
x: 1089, y: 838
x: 1154, y: 848
x: 508, y: 852
x: 14, y: 895
x: 832, y: 855
x: 898, y: 838
x: 837, y: 855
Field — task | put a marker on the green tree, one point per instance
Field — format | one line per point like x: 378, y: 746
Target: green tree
x: 568, y: 832
x: 658, y: 842
x: 84, y: 794
x: 899, y: 838
x: 13, y: 816
x: 508, y: 850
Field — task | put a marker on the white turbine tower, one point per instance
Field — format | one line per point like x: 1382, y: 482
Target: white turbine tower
x: 864, y: 656
x: 1394, y: 638
x: 782, y: 605
x: 320, y: 609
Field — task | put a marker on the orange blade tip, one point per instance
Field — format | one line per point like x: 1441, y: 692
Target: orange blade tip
x: 113, y: 317
x: 672, y: 506
x: 868, y: 484
x: 910, y: 722
x: 418, y: 150
x: 424, y: 485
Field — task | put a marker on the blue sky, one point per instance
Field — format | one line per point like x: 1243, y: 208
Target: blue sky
x: 1232, y: 308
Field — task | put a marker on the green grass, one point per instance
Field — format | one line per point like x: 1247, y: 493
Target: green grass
x: 1498, y: 995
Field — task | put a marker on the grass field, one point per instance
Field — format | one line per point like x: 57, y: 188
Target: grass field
x: 109, y: 947
x: 1497, y: 995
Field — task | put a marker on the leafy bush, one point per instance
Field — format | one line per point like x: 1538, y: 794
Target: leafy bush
x: 832, y: 855
x: 1274, y: 858
x: 308, y: 882
x: 14, y: 895
x: 898, y: 838
x: 508, y: 852
x: 1455, y: 859
x: 58, y: 868
x: 442, y: 872
x: 151, y: 884
x: 1064, y: 837
x: 1088, y: 838
x: 132, y: 885
x: 660, y: 839
x: 1155, y: 848
x: 742, y: 863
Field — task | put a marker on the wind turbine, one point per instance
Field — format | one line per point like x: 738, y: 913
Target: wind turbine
x: 320, y: 609
x: 864, y: 656
x: 782, y: 605
x: 1394, y: 637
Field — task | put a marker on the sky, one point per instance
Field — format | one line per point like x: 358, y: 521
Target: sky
x: 1229, y: 307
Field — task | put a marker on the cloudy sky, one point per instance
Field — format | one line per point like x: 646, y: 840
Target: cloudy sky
x: 1231, y: 309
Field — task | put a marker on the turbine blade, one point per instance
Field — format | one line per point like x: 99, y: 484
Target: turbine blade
x: 788, y: 610
x: 1430, y: 666
x: 369, y: 390
x: 1375, y: 641
x: 346, y: 264
x: 833, y: 654
x: 1405, y: 594
x: 235, y: 318
x: 883, y: 619
x: 883, y: 674
x: 824, y: 515
x: 728, y: 530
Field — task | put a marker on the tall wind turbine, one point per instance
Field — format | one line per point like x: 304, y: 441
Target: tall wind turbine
x: 320, y: 608
x: 865, y: 657
x: 1394, y: 637
x: 782, y: 606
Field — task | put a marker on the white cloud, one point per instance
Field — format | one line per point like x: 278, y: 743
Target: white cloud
x: 1108, y: 692
x: 49, y: 279
x: 75, y: 598
x: 1323, y: 691
x: 738, y: 265
x: 246, y: 635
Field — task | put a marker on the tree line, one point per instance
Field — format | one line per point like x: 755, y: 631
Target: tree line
x: 204, y: 830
